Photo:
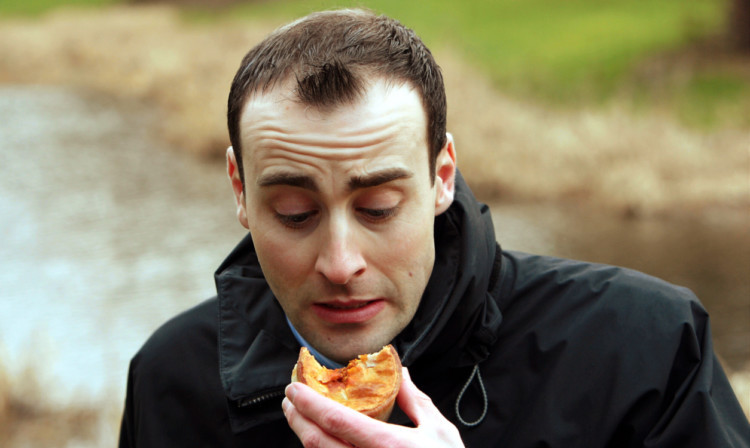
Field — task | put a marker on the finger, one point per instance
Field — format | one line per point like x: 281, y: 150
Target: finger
x: 425, y: 415
x: 338, y: 420
x: 415, y: 403
x: 310, y: 434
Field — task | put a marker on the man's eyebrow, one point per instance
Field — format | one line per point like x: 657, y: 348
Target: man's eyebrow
x: 289, y: 179
x: 378, y: 178
x: 357, y: 182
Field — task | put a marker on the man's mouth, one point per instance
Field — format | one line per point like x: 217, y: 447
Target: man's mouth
x: 347, y: 306
x: 355, y: 311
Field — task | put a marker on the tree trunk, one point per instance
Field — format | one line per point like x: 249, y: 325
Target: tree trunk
x: 739, y: 24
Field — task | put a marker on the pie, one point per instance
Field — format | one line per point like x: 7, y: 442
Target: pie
x: 368, y: 384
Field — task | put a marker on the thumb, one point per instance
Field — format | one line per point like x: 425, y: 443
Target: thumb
x: 415, y: 403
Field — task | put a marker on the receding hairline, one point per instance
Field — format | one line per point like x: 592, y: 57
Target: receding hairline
x: 289, y: 73
x: 284, y: 93
x: 286, y: 90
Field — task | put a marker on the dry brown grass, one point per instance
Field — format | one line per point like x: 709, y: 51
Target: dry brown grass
x: 741, y: 384
x: 644, y: 164
x: 29, y: 420
x: 145, y: 53
x: 507, y: 149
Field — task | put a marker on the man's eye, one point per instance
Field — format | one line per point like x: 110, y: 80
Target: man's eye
x: 296, y: 220
x: 378, y: 214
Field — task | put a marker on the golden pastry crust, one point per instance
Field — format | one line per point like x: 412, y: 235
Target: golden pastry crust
x: 368, y: 384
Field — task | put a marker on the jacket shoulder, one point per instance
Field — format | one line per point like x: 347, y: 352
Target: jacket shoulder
x: 187, y: 331
x: 626, y: 349
x: 604, y: 312
x: 581, y: 286
x: 174, y: 395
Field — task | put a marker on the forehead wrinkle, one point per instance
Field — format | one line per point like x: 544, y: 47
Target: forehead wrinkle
x: 279, y: 133
x: 269, y: 121
x: 286, y: 162
x: 335, y: 147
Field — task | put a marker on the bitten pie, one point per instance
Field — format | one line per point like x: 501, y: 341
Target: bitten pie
x: 368, y: 384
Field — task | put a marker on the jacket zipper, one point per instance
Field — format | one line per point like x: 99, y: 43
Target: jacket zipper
x: 250, y: 401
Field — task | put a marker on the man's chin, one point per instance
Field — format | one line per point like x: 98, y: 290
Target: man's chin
x: 344, y: 343
x: 346, y: 351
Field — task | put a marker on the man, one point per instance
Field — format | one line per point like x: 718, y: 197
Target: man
x: 362, y: 233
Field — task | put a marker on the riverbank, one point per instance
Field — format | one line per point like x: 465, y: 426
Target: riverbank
x: 508, y: 149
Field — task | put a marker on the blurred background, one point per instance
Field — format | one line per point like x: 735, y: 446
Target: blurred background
x: 611, y: 131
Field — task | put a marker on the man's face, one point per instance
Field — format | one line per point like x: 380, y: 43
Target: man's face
x: 341, y: 208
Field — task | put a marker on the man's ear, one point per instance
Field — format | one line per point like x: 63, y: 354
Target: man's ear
x: 239, y: 194
x: 445, y: 176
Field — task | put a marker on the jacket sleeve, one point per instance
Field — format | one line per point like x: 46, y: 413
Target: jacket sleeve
x: 699, y: 408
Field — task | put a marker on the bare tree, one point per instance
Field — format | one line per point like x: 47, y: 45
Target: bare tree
x: 739, y: 24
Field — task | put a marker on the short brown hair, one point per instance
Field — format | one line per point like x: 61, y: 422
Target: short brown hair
x: 331, y: 54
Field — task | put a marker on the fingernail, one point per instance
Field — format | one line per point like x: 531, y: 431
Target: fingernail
x: 290, y: 392
x: 285, y: 405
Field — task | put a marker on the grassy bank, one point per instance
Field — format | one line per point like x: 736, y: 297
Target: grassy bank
x: 666, y: 54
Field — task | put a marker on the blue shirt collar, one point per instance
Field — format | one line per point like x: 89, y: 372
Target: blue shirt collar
x: 325, y: 362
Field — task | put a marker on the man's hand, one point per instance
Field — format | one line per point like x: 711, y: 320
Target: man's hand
x: 321, y: 422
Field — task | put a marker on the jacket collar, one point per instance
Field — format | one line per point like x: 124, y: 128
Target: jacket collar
x: 457, y: 319
x: 455, y: 323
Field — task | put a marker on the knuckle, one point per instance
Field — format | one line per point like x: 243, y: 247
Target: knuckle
x: 310, y: 439
x: 424, y: 399
x: 333, y: 421
x: 447, y: 432
x: 450, y: 432
x: 389, y: 441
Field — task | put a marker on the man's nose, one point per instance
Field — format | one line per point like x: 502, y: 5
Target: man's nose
x: 340, y: 259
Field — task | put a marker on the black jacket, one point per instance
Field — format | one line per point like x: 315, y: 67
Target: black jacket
x: 516, y: 350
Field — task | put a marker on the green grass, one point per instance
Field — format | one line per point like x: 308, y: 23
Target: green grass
x: 35, y: 8
x: 569, y: 52
x: 558, y: 50
x: 711, y: 99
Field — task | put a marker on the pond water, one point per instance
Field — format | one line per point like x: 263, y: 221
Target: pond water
x: 107, y: 233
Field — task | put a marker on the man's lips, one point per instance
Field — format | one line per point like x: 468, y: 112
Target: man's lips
x: 348, y: 312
